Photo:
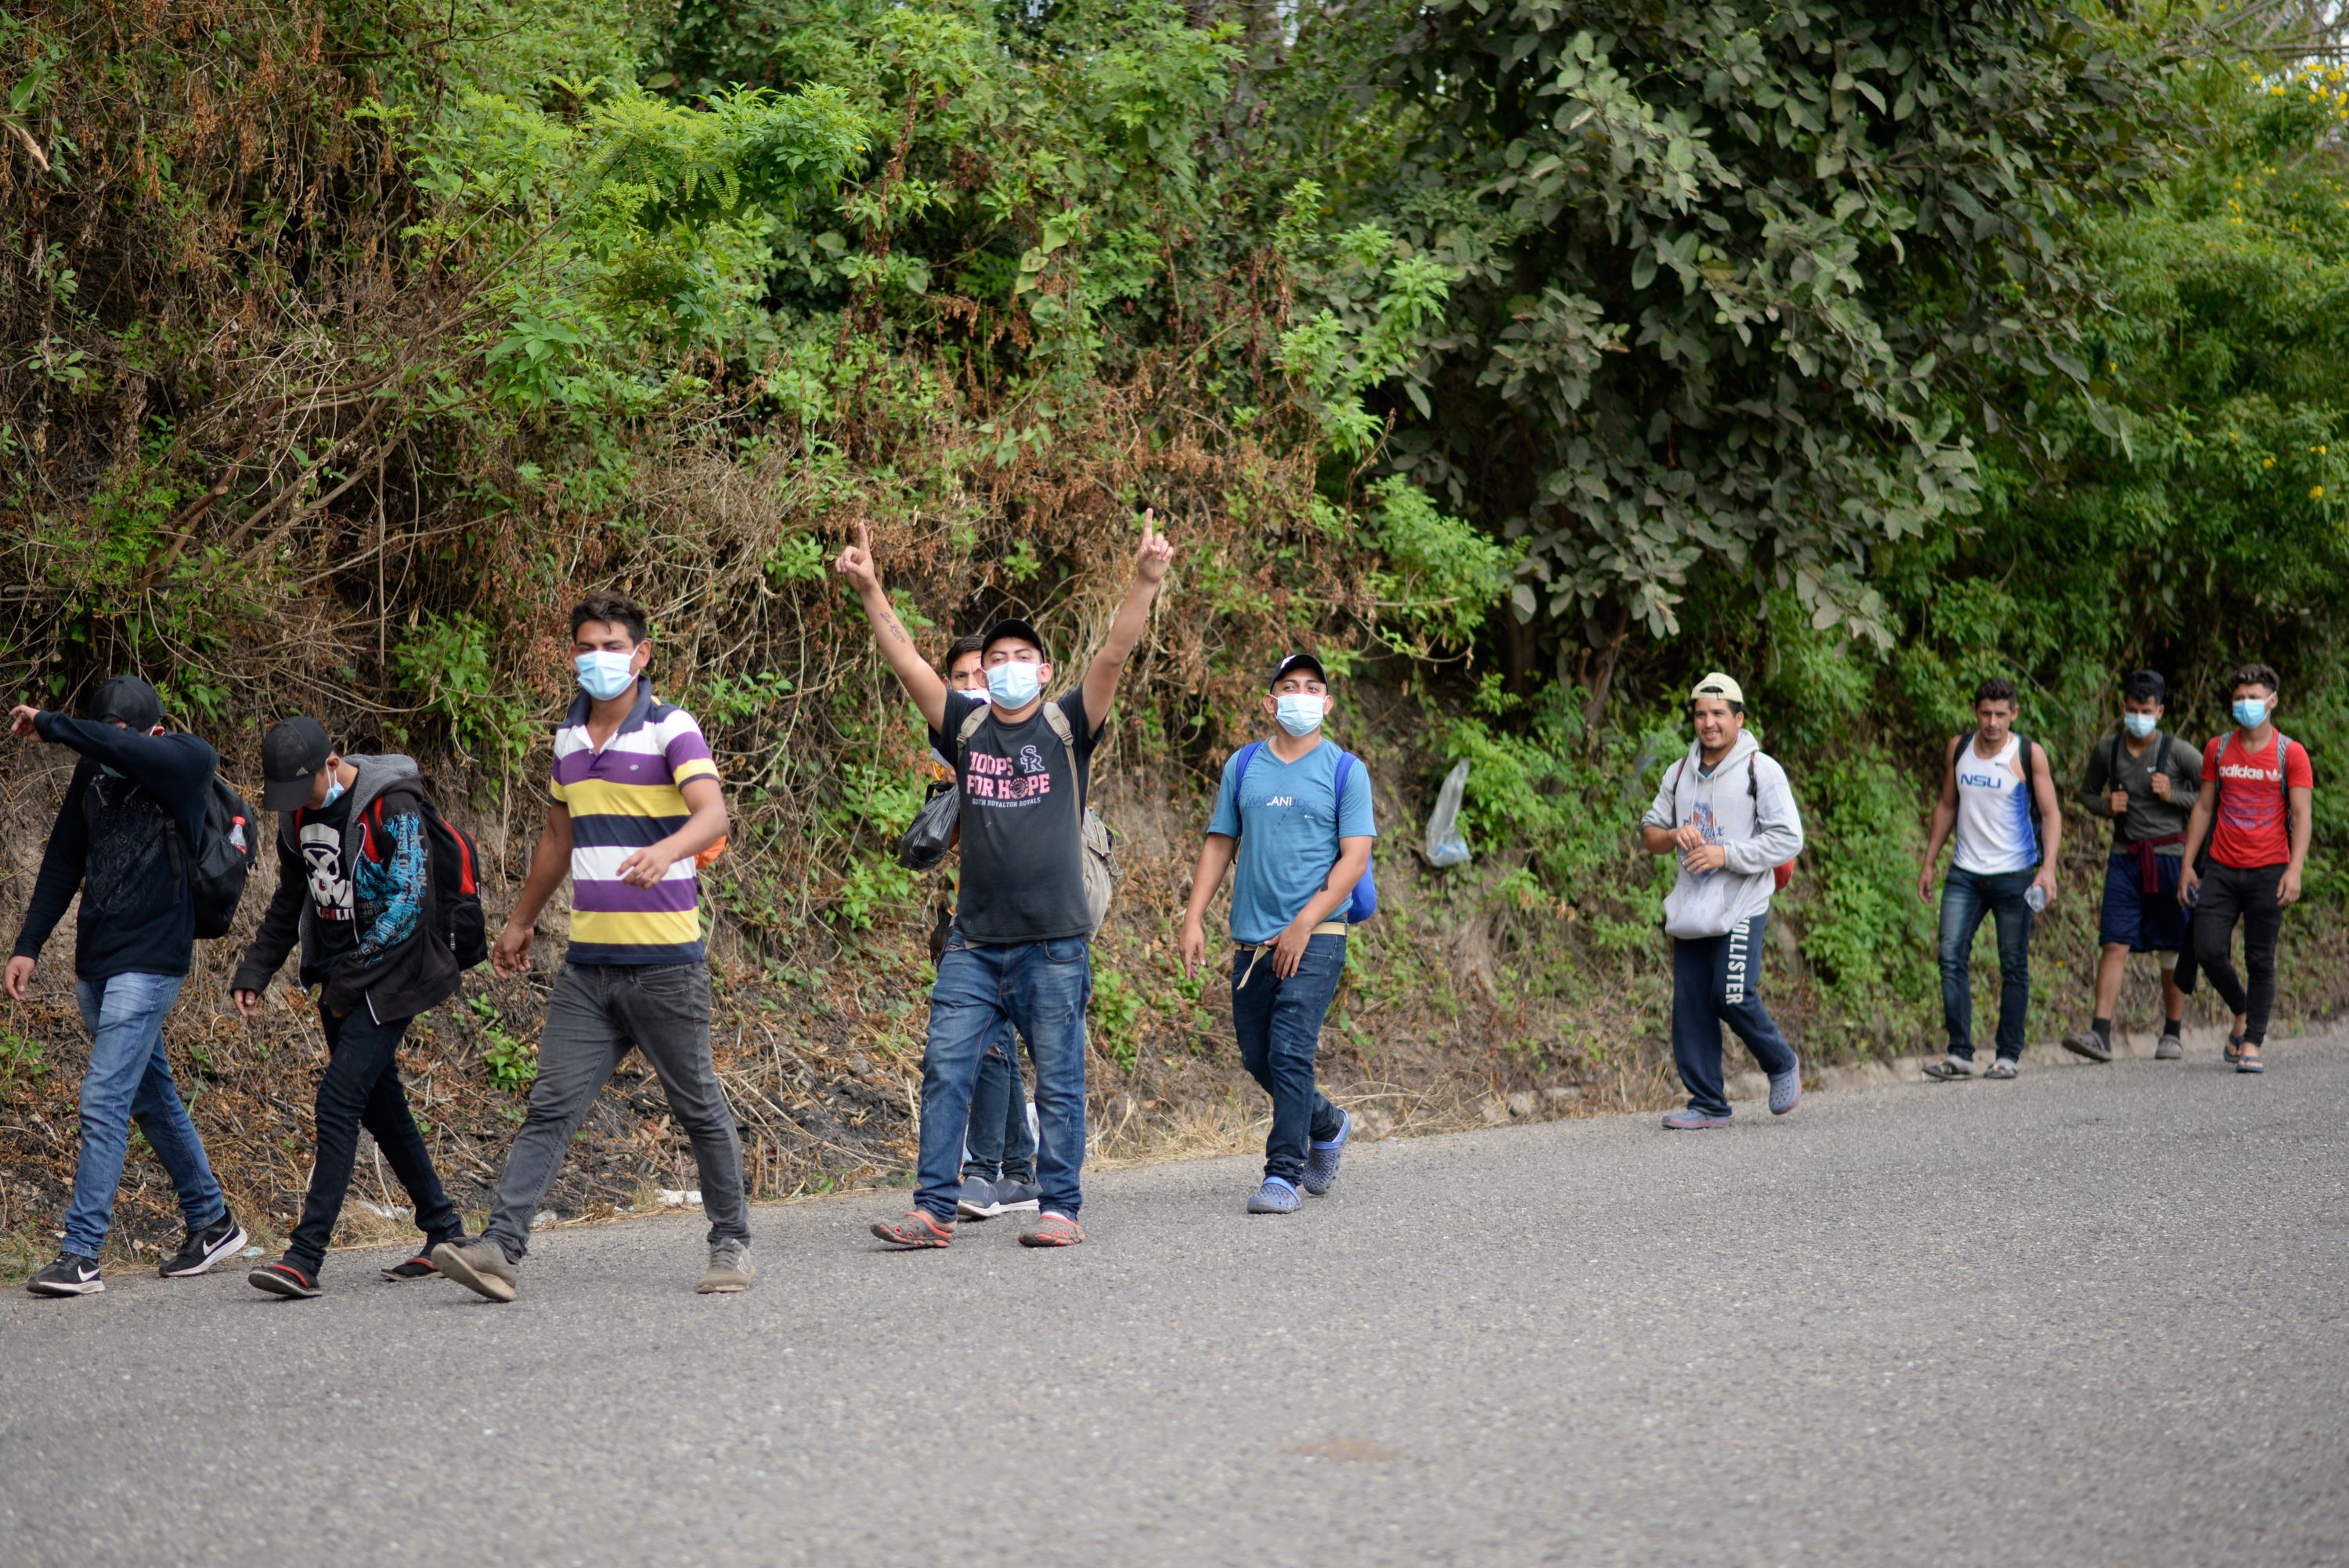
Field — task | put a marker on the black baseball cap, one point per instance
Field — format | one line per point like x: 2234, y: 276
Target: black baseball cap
x: 1010, y: 626
x: 1295, y: 662
x: 291, y: 754
x: 128, y: 700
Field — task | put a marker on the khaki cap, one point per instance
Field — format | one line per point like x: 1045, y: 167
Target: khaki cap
x: 1719, y: 685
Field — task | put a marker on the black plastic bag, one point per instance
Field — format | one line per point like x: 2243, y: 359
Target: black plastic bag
x: 936, y: 828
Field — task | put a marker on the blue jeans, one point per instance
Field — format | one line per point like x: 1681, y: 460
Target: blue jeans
x: 1966, y: 897
x: 999, y: 1142
x: 1278, y: 1023
x: 130, y: 1079
x: 1717, y: 980
x: 1039, y: 989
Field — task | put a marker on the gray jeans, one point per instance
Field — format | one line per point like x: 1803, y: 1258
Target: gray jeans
x: 598, y: 1013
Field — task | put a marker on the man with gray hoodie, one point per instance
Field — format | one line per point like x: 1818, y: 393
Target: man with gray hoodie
x: 354, y: 890
x: 1726, y: 811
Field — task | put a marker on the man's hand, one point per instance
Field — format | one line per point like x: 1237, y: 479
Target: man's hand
x: 1925, y: 884
x: 2161, y: 786
x: 2288, y: 886
x: 1193, y: 946
x: 2045, y: 882
x: 646, y: 867
x: 248, y: 1003
x: 1288, y: 948
x: 856, y: 563
x: 2188, y: 879
x: 510, y: 953
x: 20, y: 720
x: 1688, y: 836
x: 1154, y: 555
x: 20, y: 970
x: 2119, y: 802
x: 1705, y: 858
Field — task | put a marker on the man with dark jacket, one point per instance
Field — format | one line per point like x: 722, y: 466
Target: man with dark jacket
x: 125, y: 839
x: 355, y: 886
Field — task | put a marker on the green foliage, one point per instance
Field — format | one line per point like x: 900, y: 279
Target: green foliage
x: 512, y: 1065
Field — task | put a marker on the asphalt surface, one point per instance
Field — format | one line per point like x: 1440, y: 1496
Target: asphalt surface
x: 2093, y: 1316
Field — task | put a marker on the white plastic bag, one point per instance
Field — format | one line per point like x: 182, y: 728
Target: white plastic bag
x: 1445, y: 846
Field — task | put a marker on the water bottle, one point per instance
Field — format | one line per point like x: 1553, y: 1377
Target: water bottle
x: 236, y: 834
x: 2036, y: 899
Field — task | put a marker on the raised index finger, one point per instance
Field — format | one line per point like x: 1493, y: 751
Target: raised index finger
x: 864, y: 537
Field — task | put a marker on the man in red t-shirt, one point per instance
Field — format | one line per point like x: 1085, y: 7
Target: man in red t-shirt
x: 2257, y: 787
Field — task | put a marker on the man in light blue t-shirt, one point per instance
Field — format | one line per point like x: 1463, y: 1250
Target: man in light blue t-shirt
x: 1295, y: 811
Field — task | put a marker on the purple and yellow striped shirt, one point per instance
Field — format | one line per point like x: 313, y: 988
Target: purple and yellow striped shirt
x: 621, y: 798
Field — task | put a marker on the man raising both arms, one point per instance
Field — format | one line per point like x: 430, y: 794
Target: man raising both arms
x: 2258, y: 787
x: 1018, y: 949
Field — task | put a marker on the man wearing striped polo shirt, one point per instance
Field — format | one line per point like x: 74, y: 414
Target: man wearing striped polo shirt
x: 636, y: 799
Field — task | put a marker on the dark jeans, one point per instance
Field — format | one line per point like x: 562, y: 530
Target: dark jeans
x: 360, y: 1087
x: 1966, y: 897
x: 129, y: 1079
x: 1041, y: 989
x: 999, y: 1142
x: 1717, y: 980
x: 598, y: 1013
x: 2247, y: 893
x: 1278, y: 1023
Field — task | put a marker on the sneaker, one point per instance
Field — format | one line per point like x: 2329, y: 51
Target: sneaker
x: 730, y: 1269
x: 2004, y: 1067
x: 1052, y: 1229
x: 1690, y: 1121
x: 977, y: 1200
x: 1950, y: 1068
x: 2169, y: 1048
x: 2089, y: 1044
x: 1787, y: 1090
x: 202, y: 1249
x: 1321, y: 1159
x: 1014, y: 1196
x: 480, y: 1265
x: 1275, y: 1197
x: 919, y: 1229
x: 71, y: 1275
x: 282, y: 1278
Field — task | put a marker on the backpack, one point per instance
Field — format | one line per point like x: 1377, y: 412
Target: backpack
x: 2023, y: 767
x: 216, y: 868
x: 1099, y: 845
x: 1780, y: 875
x: 457, y: 914
x: 1364, y: 901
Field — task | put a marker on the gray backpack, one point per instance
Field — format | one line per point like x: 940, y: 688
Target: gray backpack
x: 1099, y: 857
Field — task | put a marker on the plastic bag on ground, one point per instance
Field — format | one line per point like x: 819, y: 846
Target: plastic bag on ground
x: 1445, y: 846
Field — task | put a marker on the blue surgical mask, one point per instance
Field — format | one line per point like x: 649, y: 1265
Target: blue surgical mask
x: 1301, y: 712
x: 604, y: 675
x: 2250, y: 712
x: 334, y: 793
x: 1013, y: 684
x: 2140, y: 723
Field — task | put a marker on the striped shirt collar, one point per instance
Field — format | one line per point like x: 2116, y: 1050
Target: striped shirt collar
x: 583, y: 705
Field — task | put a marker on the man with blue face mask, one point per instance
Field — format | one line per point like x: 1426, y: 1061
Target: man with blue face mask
x: 2256, y: 810
x: 1018, y: 950
x: 1294, y: 813
x: 2136, y: 780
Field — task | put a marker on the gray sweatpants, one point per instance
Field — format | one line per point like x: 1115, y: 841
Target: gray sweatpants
x: 598, y: 1013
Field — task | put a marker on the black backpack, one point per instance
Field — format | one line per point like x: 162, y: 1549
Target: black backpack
x: 217, y: 868
x: 456, y: 882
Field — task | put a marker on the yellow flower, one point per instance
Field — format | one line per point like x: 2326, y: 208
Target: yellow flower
x: 2317, y: 494
x: 2266, y: 463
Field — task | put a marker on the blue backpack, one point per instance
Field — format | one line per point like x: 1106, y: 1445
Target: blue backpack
x: 1364, y: 902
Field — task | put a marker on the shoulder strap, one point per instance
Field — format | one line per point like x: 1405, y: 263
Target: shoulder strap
x: 1752, y: 779
x: 2023, y: 760
x: 2113, y: 760
x: 971, y: 725
x: 1243, y: 757
x: 1058, y: 723
x: 2283, y: 771
x: 1345, y: 765
x: 2161, y: 762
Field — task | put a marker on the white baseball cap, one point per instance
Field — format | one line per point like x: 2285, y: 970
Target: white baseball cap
x: 1719, y: 685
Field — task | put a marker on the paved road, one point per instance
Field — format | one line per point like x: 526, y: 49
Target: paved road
x: 2093, y: 1316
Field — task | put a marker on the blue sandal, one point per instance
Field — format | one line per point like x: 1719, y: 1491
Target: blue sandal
x: 2233, y: 1051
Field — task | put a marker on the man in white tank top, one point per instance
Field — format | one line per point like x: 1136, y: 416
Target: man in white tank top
x: 1999, y: 800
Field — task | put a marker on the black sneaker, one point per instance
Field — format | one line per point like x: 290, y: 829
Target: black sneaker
x: 282, y: 1278
x: 71, y: 1275
x: 203, y: 1248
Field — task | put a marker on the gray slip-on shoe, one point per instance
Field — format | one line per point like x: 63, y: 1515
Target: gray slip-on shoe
x: 480, y: 1266
x: 730, y: 1269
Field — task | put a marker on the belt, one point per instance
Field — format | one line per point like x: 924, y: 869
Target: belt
x: 2149, y: 864
x: 1327, y: 928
